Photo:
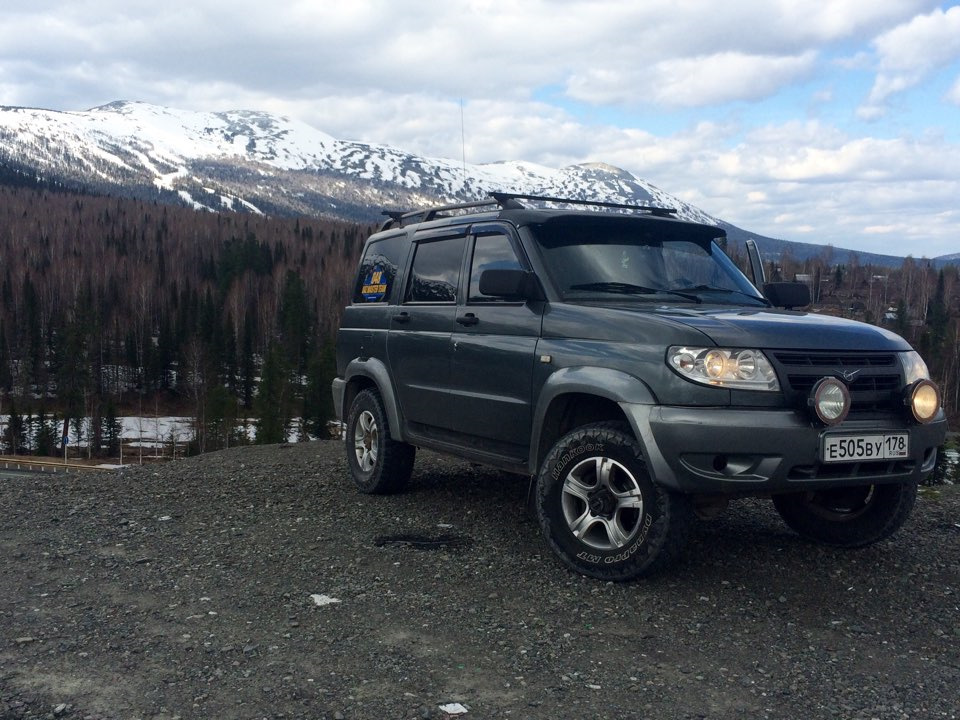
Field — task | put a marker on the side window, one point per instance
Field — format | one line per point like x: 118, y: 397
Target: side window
x: 436, y: 271
x: 490, y: 252
x: 378, y: 270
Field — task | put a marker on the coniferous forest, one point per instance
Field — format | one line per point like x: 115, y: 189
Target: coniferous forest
x: 113, y: 307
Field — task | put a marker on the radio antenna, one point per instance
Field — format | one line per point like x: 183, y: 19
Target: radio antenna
x: 463, y: 145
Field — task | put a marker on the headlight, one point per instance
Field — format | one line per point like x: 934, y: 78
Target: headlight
x: 914, y: 368
x: 722, y: 367
x: 923, y: 397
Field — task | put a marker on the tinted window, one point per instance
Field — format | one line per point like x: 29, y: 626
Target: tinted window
x: 436, y: 271
x: 490, y: 252
x: 639, y: 258
x: 378, y: 270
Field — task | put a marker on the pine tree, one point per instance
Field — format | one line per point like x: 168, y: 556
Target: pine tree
x: 228, y: 360
x: 273, y: 401
x: 221, y: 419
x: 45, y: 434
x: 111, y: 429
x: 902, y: 324
x: 6, y: 376
x: 14, y: 434
x: 73, y: 371
x: 295, y: 321
x: 248, y: 367
x: 318, y: 397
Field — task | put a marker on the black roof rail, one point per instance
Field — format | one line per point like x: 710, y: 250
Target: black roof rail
x: 509, y: 200
x: 506, y: 201
x: 402, y: 217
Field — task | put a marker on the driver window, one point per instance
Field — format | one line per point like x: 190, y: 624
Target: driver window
x: 490, y: 252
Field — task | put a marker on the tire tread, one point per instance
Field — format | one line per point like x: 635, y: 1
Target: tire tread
x: 894, y: 503
x: 395, y: 459
x: 669, y: 532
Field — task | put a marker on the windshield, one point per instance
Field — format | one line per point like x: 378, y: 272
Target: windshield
x: 647, y: 260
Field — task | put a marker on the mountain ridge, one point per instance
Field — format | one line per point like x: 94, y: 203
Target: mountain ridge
x: 254, y: 161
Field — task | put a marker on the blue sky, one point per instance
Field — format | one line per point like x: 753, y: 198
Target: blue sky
x: 835, y: 122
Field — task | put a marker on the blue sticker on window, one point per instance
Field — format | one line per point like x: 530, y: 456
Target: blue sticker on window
x: 374, y: 287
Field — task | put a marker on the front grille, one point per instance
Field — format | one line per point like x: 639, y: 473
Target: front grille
x: 875, y: 388
x: 836, y: 360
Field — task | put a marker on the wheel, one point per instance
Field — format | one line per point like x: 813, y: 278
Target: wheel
x: 601, y: 512
x: 379, y: 464
x: 848, y: 517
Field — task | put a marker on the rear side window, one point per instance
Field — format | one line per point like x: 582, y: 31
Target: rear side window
x: 436, y: 271
x: 378, y: 270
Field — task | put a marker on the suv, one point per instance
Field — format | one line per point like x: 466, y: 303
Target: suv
x: 618, y: 357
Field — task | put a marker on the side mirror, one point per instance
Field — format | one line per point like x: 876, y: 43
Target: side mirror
x: 756, y: 263
x: 516, y: 284
x: 787, y: 294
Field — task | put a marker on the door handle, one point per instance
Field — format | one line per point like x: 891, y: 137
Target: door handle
x: 402, y: 317
x: 468, y: 319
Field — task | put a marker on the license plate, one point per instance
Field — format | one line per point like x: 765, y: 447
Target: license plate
x: 857, y: 448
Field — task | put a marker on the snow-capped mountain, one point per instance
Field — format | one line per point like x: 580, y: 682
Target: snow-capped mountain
x: 266, y: 163
x: 263, y: 163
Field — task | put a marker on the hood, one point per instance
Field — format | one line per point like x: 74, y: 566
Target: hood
x: 782, y: 329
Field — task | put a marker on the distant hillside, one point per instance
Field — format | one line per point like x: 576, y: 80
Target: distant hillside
x: 774, y: 249
x: 266, y: 164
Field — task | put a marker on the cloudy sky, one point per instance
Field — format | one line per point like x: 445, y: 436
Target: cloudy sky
x: 831, y: 122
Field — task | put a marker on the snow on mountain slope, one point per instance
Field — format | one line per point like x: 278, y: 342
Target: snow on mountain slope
x: 262, y: 162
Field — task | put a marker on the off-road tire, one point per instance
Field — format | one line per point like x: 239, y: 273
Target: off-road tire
x: 379, y: 464
x: 600, y: 510
x: 848, y: 517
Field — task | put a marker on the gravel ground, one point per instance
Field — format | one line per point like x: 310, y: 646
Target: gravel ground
x: 255, y: 583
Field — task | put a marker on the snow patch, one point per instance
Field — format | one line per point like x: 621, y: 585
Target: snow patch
x: 322, y: 600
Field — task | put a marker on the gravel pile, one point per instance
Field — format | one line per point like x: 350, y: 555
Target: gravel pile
x: 256, y: 583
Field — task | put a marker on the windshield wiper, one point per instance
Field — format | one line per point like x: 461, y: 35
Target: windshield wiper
x: 623, y: 288
x: 711, y: 288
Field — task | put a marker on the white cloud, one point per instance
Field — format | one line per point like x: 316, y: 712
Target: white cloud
x: 476, y: 48
x: 911, y: 51
x: 953, y: 94
x: 927, y: 41
x: 692, y: 81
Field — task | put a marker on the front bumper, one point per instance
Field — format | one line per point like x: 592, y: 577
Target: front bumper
x: 747, y: 451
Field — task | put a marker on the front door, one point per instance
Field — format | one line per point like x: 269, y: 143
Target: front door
x: 494, y: 347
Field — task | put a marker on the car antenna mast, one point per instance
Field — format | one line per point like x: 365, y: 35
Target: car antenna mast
x: 463, y: 144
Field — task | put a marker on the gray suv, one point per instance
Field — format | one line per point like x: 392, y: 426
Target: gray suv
x: 616, y: 356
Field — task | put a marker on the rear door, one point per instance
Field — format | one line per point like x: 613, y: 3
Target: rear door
x: 419, y: 341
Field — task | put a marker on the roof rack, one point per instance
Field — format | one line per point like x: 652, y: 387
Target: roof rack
x: 509, y: 200
x: 506, y: 201
x: 402, y: 218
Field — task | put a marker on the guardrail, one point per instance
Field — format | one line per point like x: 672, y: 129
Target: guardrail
x: 45, y: 466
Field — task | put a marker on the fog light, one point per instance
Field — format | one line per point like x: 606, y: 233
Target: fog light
x: 924, y: 400
x: 830, y: 399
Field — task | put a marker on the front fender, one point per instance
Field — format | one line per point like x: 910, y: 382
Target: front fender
x: 606, y: 383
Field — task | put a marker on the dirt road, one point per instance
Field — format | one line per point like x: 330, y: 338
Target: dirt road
x: 255, y: 583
